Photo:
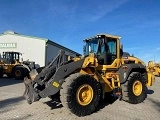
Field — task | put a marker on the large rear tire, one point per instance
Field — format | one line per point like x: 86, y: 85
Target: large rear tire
x: 134, y: 90
x: 80, y: 94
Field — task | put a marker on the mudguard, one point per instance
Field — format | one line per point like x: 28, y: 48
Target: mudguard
x: 125, y: 70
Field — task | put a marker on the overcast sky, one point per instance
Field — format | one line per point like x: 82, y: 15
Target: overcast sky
x: 68, y: 22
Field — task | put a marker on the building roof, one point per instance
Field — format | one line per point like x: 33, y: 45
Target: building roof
x: 9, y: 32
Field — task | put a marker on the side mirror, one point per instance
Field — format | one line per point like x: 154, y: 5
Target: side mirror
x: 121, y: 47
x: 84, y: 50
x: 121, y: 50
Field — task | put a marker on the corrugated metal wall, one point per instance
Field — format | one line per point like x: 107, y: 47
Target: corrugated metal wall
x: 52, y: 51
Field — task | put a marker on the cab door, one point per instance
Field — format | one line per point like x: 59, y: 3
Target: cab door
x: 110, y: 52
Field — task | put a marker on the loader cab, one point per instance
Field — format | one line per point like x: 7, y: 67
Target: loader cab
x: 105, y: 47
x: 11, y: 57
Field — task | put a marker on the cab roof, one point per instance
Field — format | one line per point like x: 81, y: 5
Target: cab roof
x: 11, y: 52
x: 106, y: 35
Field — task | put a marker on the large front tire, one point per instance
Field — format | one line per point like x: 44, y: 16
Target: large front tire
x: 134, y: 90
x: 80, y: 94
x: 19, y: 72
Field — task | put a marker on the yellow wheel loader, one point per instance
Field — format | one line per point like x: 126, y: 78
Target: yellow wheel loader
x: 82, y: 82
x: 154, y: 68
x: 11, y: 66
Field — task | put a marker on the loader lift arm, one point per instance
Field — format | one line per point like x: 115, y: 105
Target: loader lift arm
x: 48, y: 81
x: 49, y: 70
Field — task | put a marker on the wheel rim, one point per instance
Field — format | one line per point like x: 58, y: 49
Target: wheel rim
x: 18, y: 73
x: 137, y: 88
x: 84, y: 94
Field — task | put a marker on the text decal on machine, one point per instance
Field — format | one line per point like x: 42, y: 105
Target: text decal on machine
x: 8, y: 45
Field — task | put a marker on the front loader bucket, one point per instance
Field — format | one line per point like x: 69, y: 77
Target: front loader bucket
x: 30, y: 94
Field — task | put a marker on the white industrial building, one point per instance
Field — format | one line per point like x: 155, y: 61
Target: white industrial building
x: 40, y: 50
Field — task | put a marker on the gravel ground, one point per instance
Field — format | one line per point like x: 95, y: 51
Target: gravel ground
x: 14, y: 107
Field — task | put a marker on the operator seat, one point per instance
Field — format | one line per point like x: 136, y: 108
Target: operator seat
x: 105, y: 56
